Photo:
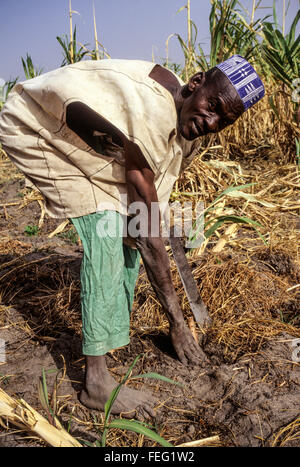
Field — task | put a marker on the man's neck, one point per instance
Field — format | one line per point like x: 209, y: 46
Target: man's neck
x: 169, y: 81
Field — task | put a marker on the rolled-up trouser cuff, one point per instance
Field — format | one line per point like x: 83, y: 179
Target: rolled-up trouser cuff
x: 101, y: 348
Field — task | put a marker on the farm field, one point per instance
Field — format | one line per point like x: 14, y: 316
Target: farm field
x: 247, y: 270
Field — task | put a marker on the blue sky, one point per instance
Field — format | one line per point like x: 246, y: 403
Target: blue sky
x: 132, y: 29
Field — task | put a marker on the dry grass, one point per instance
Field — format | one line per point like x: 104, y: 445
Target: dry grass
x: 287, y: 434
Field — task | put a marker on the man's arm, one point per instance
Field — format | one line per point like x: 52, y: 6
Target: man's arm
x: 140, y: 183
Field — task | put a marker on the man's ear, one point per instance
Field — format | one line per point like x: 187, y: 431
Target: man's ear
x: 196, y: 81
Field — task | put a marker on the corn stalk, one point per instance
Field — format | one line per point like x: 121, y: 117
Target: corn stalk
x: 25, y: 417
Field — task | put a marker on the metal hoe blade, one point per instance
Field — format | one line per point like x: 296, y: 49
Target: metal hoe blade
x: 198, y: 308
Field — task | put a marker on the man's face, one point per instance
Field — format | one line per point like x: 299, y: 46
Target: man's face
x: 212, y: 105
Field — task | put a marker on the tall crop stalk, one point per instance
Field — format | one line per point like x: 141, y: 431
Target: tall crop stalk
x: 96, y: 50
x: 95, y: 53
x: 71, y: 33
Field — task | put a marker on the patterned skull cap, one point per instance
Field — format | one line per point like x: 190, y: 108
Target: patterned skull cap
x: 244, y: 78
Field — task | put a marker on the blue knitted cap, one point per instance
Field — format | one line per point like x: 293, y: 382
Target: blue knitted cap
x: 244, y: 78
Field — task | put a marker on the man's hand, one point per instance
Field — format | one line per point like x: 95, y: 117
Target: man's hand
x: 187, y: 349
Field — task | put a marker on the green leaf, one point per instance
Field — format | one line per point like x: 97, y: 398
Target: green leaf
x: 230, y: 192
x: 84, y: 442
x: 251, y: 198
x: 225, y: 192
x: 181, y: 9
x: 183, y: 45
x: 223, y: 219
x: 194, y: 33
x: 285, y: 48
x: 43, y: 391
x: 44, y: 398
x: 295, y: 46
x: 137, y: 427
x: 275, y: 66
x: 115, y: 392
x: 297, y: 143
x: 291, y: 35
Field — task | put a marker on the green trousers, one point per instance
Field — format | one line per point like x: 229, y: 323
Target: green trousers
x: 108, y: 275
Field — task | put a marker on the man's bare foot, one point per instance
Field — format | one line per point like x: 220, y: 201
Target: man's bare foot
x: 99, y: 385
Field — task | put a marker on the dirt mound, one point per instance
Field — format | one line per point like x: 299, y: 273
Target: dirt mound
x: 247, y: 393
